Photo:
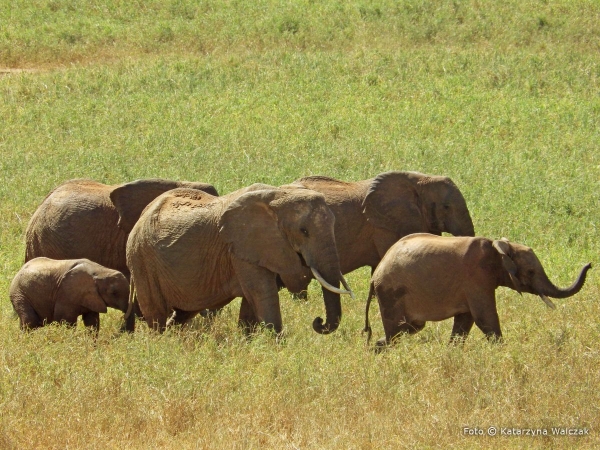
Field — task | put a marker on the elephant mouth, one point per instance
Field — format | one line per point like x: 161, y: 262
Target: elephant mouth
x: 302, y: 260
x: 324, y: 283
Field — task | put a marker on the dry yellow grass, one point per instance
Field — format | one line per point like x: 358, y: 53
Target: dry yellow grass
x: 501, y: 97
x: 211, y: 388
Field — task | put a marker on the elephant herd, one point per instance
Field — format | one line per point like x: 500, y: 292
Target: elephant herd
x: 166, y: 251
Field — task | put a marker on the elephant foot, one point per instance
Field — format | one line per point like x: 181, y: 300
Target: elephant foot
x: 380, y: 346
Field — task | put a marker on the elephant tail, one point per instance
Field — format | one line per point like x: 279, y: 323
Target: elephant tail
x: 129, y: 317
x: 367, y: 328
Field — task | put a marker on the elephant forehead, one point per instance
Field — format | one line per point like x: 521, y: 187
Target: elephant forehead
x: 310, y: 204
x: 323, y: 214
x: 524, y: 256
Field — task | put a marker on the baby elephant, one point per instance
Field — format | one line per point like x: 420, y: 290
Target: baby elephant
x: 48, y: 290
x: 425, y: 277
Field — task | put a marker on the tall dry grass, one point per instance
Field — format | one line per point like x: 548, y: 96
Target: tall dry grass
x: 501, y: 97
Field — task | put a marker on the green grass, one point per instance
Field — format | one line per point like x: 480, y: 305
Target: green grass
x: 503, y: 97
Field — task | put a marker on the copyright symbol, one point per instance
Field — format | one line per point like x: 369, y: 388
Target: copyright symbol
x: 492, y: 431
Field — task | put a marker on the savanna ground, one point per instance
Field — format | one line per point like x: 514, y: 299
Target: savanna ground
x: 503, y: 97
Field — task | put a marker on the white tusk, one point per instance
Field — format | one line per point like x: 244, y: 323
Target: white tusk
x: 345, y: 283
x: 547, y: 301
x: 326, y: 285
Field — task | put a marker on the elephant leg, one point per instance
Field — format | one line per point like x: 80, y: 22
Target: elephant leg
x: 399, y: 329
x: 28, y: 317
x: 129, y: 324
x: 462, y: 326
x: 411, y: 327
x: 486, y: 318
x: 247, y: 319
x: 180, y: 317
x: 260, y: 289
x: 64, y: 313
x: 393, y: 314
x: 157, y: 322
x: 152, y: 304
x: 92, y: 320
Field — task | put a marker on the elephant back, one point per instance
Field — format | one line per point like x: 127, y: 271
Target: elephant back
x: 70, y: 222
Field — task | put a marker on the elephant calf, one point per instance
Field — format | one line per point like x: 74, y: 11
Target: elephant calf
x: 48, y: 290
x: 425, y: 277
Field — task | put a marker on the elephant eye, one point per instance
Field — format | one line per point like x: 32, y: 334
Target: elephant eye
x: 304, y: 231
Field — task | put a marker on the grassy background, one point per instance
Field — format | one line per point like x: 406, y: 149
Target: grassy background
x: 503, y: 97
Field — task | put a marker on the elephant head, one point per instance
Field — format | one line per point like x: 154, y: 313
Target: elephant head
x: 290, y: 233
x: 526, y: 273
x: 95, y: 287
x: 411, y: 202
x: 130, y: 199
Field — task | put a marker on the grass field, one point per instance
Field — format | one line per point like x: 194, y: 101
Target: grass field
x: 503, y: 97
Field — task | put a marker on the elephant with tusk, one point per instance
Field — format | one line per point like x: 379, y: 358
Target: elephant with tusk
x: 430, y: 278
x: 371, y: 215
x: 190, y: 251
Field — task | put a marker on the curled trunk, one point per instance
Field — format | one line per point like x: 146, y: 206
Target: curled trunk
x: 551, y: 290
x: 330, y: 280
x: 333, y: 310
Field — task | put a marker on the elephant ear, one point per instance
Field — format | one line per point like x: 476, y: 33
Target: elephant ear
x: 198, y: 186
x: 130, y: 199
x: 78, y: 286
x: 502, y: 246
x: 392, y: 202
x: 250, y: 226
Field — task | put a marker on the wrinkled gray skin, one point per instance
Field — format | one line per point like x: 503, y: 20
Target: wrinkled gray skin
x: 47, y: 290
x: 371, y: 215
x: 430, y: 278
x: 190, y: 251
x: 86, y: 219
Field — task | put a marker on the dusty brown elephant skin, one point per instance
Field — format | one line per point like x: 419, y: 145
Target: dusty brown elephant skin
x: 430, y: 278
x: 86, y: 219
x: 190, y: 251
x: 47, y: 290
x: 371, y: 215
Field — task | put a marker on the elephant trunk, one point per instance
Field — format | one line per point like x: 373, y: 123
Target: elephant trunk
x: 329, y: 276
x: 333, y: 309
x: 551, y: 290
x: 461, y: 226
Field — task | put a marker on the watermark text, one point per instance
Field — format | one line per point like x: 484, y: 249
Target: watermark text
x: 520, y: 431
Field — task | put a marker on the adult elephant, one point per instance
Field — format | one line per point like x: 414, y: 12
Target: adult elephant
x: 86, y: 219
x: 190, y: 251
x: 371, y: 215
